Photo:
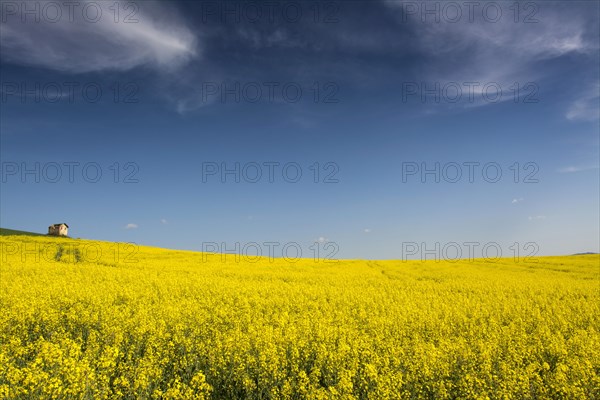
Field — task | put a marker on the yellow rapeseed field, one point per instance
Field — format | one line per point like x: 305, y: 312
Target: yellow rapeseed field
x: 98, y: 320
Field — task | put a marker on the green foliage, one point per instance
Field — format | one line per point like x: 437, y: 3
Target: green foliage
x: 12, y: 232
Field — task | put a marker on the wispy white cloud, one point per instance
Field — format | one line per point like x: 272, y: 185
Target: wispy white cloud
x: 164, y: 221
x: 571, y: 169
x: 191, y: 102
x: 322, y: 239
x: 502, y: 52
x: 367, y: 230
x: 159, y: 39
x: 515, y: 201
x: 131, y: 226
x: 258, y: 38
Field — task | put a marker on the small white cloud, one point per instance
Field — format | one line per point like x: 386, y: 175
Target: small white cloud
x: 537, y: 217
x: 515, y: 201
x: 164, y: 221
x: 568, y: 169
x: 322, y: 239
x: 367, y: 230
x: 131, y: 226
x: 572, y: 168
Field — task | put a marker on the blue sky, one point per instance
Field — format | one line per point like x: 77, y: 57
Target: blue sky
x: 164, y: 91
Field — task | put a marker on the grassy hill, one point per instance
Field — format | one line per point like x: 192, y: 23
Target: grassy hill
x: 7, y: 232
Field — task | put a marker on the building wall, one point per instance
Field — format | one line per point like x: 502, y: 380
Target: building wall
x: 58, y: 231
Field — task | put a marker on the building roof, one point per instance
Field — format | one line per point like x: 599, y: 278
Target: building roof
x: 57, y: 225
